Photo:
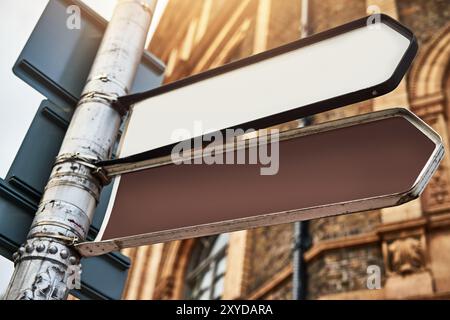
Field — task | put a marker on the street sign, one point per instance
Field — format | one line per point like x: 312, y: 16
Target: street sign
x: 365, y: 162
x: 56, y: 60
x: 348, y: 64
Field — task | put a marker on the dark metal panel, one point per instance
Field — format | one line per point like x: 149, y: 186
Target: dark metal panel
x: 41, y: 144
x: 56, y: 60
x: 100, y: 211
x: 16, y: 214
x: 103, y: 278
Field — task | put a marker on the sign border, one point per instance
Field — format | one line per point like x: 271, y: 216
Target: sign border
x: 297, y: 113
x: 105, y: 246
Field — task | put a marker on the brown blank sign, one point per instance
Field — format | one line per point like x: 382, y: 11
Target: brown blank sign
x: 355, y: 164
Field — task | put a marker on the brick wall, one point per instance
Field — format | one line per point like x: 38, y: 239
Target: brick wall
x: 425, y: 17
x: 270, y: 252
x: 343, y: 226
x: 326, y: 14
x: 342, y: 270
x: 281, y: 292
x: 284, y: 25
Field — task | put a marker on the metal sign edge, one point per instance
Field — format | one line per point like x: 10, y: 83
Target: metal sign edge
x: 101, y: 247
x: 296, y: 113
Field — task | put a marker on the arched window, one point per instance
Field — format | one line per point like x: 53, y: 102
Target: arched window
x: 206, y: 268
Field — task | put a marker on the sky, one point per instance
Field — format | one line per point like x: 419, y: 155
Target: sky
x: 19, y: 101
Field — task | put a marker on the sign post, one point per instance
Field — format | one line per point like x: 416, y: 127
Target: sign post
x: 47, y: 266
x: 60, y: 76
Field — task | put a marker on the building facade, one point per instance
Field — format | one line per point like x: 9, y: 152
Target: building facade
x: 408, y: 247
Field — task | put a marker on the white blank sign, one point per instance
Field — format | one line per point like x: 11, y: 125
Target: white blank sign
x: 341, y: 64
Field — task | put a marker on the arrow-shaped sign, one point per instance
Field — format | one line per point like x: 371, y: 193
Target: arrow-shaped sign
x: 361, y: 163
x: 348, y: 64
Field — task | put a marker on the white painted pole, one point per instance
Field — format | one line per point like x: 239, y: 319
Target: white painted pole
x: 47, y: 266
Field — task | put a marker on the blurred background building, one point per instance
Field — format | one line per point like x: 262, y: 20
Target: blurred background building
x: 408, y: 245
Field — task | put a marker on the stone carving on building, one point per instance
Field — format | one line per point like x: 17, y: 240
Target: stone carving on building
x: 406, y: 256
x: 438, y: 191
x: 428, y: 79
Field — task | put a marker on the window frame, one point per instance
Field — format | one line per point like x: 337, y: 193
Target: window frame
x: 194, y: 277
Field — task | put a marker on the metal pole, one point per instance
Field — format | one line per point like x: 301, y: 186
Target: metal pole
x: 301, y: 227
x: 47, y: 265
x: 299, y: 268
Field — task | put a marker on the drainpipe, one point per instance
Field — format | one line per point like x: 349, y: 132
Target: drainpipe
x: 301, y: 237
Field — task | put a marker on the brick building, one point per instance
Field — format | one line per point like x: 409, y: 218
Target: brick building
x: 409, y: 244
